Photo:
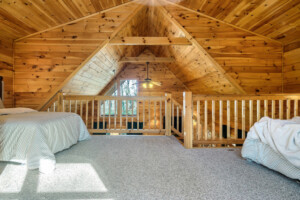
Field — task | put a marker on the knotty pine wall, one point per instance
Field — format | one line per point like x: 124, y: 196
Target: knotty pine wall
x: 291, y: 68
x: 6, y: 69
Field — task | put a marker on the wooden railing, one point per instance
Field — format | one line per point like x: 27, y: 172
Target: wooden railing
x: 201, y: 121
x: 177, y: 118
x: 116, y: 114
x: 225, y: 120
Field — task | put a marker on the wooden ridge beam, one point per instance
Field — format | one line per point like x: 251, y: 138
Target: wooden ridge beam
x: 102, y: 45
x: 150, y: 41
x: 146, y: 59
x: 207, y: 56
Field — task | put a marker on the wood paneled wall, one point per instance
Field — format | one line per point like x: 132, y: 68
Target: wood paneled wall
x: 291, y: 68
x: 254, y: 62
x: 6, y: 69
x: 45, y: 60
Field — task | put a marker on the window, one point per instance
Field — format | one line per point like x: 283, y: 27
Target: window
x: 127, y: 88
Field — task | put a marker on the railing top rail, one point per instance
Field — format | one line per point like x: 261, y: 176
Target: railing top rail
x: 176, y: 103
x: 90, y: 98
x: 247, y: 97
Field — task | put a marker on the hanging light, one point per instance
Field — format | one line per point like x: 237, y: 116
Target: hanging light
x: 145, y: 85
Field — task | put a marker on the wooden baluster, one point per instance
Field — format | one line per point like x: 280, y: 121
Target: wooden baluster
x: 266, y: 109
x: 143, y: 114
x: 280, y: 109
x: 172, y: 122
x: 160, y: 115
x: 243, y: 118
x: 168, y: 114
x: 182, y: 120
x: 295, y: 107
x: 205, y: 120
x: 86, y: 112
x: 154, y: 114
x: 81, y: 108
x: 93, y: 114
x: 132, y: 104
x: 76, y: 106
x: 213, y: 129
x: 221, y: 120
x: 63, y: 105
x: 177, y: 120
x: 126, y: 114
x: 258, y: 110
x: 109, y: 113
x: 250, y: 113
x: 149, y: 116
x: 103, y: 114
x: 273, y: 109
x: 98, y: 114
x: 54, y: 107
x: 199, y: 136
x: 70, y: 106
x: 138, y: 114
x: 115, y: 115
x: 228, y: 119
x: 288, y: 109
x: 236, y: 119
x: 188, y: 120
x: 121, y: 113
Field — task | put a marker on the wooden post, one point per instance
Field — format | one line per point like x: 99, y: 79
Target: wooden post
x: 168, y: 114
x: 188, y: 120
x: 60, y: 98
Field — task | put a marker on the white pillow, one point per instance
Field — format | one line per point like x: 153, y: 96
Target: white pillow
x: 1, y: 103
x: 11, y: 111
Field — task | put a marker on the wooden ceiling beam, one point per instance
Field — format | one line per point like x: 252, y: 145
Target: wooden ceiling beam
x: 205, y: 55
x: 147, y: 59
x: 150, y: 41
x: 102, y: 45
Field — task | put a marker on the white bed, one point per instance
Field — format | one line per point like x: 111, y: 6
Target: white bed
x: 275, y: 144
x: 32, y: 138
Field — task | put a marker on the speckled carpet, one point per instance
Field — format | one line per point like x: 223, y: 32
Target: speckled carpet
x: 146, y: 167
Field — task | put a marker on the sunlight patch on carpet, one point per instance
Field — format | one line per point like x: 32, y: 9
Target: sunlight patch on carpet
x: 79, y: 177
x: 12, y: 178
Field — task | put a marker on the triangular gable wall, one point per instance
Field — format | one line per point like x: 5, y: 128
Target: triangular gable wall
x: 44, y: 63
x: 254, y: 62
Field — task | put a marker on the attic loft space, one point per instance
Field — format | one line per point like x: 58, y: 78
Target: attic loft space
x: 149, y: 99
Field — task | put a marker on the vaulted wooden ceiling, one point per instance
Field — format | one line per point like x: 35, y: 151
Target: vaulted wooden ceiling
x: 276, y: 19
x: 19, y: 18
x: 236, y: 46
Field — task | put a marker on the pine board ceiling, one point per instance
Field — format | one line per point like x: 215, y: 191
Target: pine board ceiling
x: 19, y: 18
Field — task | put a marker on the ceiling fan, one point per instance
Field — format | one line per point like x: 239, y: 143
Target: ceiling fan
x: 148, y: 83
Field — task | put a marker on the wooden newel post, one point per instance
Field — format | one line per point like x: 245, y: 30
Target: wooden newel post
x: 168, y: 114
x: 60, y: 100
x: 188, y: 120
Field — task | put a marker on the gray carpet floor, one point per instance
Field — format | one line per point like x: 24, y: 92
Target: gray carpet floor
x: 146, y: 167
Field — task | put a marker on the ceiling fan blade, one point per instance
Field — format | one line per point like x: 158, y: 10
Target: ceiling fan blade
x: 156, y: 83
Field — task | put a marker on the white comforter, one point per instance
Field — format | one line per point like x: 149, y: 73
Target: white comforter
x: 32, y: 138
x: 282, y: 136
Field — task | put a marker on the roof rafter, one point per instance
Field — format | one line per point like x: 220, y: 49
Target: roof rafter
x: 205, y: 53
x: 102, y: 45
